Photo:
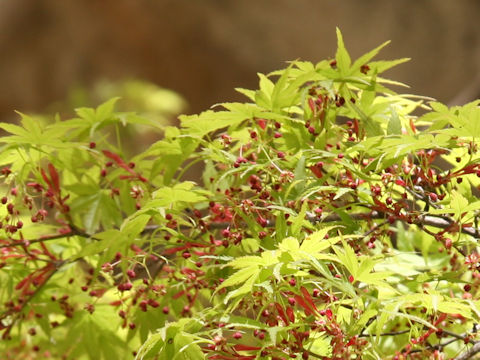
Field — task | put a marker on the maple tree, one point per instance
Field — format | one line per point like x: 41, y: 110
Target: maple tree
x: 334, y: 219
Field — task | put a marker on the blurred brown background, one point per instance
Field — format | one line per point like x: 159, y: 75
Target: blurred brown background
x: 205, y: 48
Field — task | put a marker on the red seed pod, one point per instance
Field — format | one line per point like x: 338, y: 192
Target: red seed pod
x: 448, y: 243
x: 124, y: 286
x: 153, y: 303
x: 364, y: 69
x: 262, y: 221
x: 143, y: 305
x: 10, y: 208
x: 225, y: 233
x: 262, y: 123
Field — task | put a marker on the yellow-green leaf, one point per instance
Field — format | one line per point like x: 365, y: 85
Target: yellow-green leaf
x: 240, y: 277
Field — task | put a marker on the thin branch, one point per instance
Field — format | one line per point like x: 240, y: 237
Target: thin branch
x: 439, y: 222
x: 57, y: 266
x: 475, y: 349
x: 374, y: 228
x: 392, y: 333
x: 25, y: 242
x: 442, y: 223
x: 458, y: 336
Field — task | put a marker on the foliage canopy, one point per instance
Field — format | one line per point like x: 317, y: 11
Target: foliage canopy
x: 333, y: 219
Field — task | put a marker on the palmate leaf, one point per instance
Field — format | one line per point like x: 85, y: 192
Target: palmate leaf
x: 90, y: 120
x: 342, y: 56
x: 371, y: 126
x: 209, y: 121
x: 394, y: 125
x: 105, y: 111
x: 241, y: 276
x: 134, y: 225
x: 273, y: 261
x: 348, y: 258
x: 95, y: 336
x: 319, y: 344
x: 19, y: 131
x: 174, y: 341
x: 298, y: 221
x: 263, y: 96
x: 242, y: 322
x: 316, y: 242
x: 250, y: 94
x: 249, y: 261
x: 458, y: 205
x: 289, y: 245
x: 151, y: 347
x: 364, y: 59
x: 98, y: 209
x: 186, y: 348
x: 285, y: 92
x: 246, y: 288
x: 463, y: 120
x: 32, y: 133
x: 252, y: 111
x: 188, y: 144
x: 104, y: 240
x: 381, y: 66
x: 180, y: 193
x: 163, y: 147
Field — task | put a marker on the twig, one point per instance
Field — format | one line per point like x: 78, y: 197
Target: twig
x: 475, y: 349
x: 458, y: 336
x: 374, y: 228
x: 25, y: 242
x: 439, y: 222
x: 57, y: 266
x: 392, y: 333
